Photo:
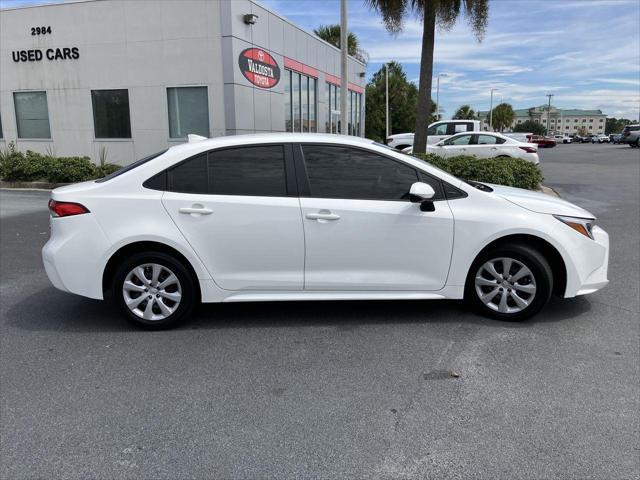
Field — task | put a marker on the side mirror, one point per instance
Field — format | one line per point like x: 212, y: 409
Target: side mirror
x: 421, y: 193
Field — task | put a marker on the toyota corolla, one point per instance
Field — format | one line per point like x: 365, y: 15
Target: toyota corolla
x: 282, y: 217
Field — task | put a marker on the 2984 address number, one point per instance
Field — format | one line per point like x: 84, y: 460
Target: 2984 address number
x: 40, y: 30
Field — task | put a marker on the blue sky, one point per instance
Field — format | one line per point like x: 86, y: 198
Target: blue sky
x: 585, y: 52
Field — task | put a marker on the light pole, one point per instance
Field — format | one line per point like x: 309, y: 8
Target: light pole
x: 386, y: 100
x: 549, y: 114
x: 438, y: 94
x: 344, y: 48
x: 491, y: 110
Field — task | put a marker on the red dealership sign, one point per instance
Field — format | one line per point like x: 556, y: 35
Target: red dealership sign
x: 259, y: 67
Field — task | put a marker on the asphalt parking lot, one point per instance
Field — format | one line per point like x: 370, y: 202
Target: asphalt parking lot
x: 328, y: 390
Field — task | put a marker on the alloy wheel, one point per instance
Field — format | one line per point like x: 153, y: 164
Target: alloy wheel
x: 505, y: 285
x: 152, y: 291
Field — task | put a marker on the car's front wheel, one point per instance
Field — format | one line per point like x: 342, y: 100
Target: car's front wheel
x: 509, y: 283
x: 154, y: 290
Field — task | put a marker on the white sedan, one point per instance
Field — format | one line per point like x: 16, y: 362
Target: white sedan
x: 483, y: 145
x: 313, y: 217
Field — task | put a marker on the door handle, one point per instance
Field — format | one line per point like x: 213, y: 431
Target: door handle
x: 494, y: 148
x: 323, y: 215
x: 195, y: 210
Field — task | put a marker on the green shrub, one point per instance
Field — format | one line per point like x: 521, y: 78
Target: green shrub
x: 18, y: 166
x: 513, y: 172
x: 71, y: 170
x: 107, y: 169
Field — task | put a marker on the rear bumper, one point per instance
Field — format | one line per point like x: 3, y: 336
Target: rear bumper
x: 70, y: 258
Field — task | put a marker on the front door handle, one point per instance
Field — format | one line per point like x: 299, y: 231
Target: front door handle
x: 323, y: 215
x: 196, y: 210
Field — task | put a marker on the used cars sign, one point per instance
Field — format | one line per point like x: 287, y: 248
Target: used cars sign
x: 259, y: 67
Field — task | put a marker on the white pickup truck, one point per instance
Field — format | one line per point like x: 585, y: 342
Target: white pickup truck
x: 436, y: 131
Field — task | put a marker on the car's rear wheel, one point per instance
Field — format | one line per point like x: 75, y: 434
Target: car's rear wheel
x: 154, y: 290
x: 509, y: 283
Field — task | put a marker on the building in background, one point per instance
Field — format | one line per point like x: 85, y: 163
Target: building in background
x: 567, y: 121
x: 133, y: 77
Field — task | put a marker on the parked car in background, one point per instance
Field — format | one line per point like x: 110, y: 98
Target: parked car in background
x: 615, y: 137
x: 601, y: 138
x: 483, y: 145
x: 579, y: 138
x: 592, y: 138
x: 437, y: 131
x: 563, y: 139
x: 521, y: 137
x: 631, y: 135
x: 542, y: 141
x: 283, y: 217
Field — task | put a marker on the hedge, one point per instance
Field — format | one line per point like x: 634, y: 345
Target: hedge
x: 512, y: 172
x: 30, y: 166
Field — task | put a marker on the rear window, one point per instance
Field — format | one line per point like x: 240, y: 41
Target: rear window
x: 131, y: 166
x: 631, y: 128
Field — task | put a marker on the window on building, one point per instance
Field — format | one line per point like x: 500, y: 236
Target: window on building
x: 355, y: 107
x: 333, y: 108
x: 591, y: 120
x: 32, y: 114
x: 111, y: 113
x: 300, y: 102
x: 343, y: 172
x: 188, y: 111
x: 601, y: 120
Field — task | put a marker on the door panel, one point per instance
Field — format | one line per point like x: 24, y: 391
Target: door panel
x: 238, y: 209
x: 361, y: 232
x: 376, y: 245
x: 254, y: 243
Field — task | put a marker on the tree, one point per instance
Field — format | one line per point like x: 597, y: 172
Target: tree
x: 465, y: 112
x: 403, y: 101
x: 529, y: 126
x: 331, y: 34
x: 503, y: 116
x: 444, y: 13
x: 615, y: 125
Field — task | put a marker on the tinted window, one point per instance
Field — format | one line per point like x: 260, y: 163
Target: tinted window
x: 189, y: 176
x: 343, y: 172
x: 489, y: 140
x: 248, y: 171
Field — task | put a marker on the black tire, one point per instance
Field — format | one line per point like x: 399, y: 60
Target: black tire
x: 186, y: 286
x: 527, y: 256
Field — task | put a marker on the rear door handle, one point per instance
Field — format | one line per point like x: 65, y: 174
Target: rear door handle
x: 196, y: 210
x: 323, y: 215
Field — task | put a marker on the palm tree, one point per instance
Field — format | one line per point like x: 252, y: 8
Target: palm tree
x: 331, y: 34
x: 444, y: 13
x: 503, y: 116
x: 465, y: 112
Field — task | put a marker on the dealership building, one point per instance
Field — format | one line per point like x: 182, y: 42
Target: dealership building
x: 120, y: 79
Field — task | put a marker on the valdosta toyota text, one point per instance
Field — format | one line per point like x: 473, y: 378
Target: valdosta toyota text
x: 313, y: 217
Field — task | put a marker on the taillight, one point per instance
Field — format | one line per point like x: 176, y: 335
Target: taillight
x: 529, y: 149
x: 66, y: 209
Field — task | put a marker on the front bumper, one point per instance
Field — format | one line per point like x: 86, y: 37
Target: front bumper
x: 587, y: 262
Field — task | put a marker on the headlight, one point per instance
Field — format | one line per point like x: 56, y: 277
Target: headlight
x: 580, y: 225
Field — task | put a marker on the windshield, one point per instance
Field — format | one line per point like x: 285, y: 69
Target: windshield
x: 130, y: 167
